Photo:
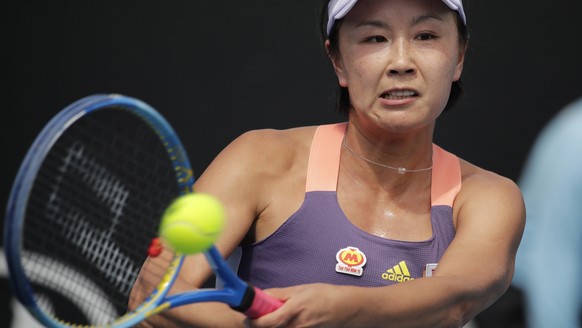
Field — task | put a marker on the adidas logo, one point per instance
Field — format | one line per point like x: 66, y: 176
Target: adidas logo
x: 398, y: 273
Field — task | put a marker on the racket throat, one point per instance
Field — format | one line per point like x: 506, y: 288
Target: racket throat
x: 246, y: 301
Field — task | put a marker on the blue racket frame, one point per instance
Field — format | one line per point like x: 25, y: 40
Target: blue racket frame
x: 31, y: 164
x: 236, y: 293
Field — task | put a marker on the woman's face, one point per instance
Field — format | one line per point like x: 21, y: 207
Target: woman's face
x: 398, y: 59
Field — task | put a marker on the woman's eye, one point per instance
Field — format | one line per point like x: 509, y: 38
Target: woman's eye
x: 376, y: 39
x: 426, y: 36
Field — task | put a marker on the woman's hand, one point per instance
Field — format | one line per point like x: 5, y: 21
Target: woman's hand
x: 314, y: 305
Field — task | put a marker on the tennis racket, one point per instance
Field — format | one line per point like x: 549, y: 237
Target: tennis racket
x: 84, y: 207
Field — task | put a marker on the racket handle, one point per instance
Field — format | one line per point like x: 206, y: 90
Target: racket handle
x: 261, y: 304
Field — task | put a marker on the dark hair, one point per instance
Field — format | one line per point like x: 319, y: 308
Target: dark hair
x: 343, y: 96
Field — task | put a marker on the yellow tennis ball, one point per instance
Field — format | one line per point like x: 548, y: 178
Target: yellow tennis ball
x: 192, y: 223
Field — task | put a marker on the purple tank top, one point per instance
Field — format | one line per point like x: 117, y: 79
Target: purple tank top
x: 318, y: 243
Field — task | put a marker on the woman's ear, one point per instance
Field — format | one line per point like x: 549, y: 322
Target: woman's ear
x: 337, y: 65
x: 460, y: 62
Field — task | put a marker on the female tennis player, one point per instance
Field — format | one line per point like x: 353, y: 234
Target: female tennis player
x: 367, y: 223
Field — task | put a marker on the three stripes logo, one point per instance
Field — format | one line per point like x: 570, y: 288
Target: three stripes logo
x: 398, y: 273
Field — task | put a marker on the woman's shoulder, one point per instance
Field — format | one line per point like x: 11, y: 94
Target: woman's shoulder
x: 258, y: 160
x: 279, y: 143
x: 478, y: 177
x: 269, y: 151
x: 277, y: 137
x: 482, y: 188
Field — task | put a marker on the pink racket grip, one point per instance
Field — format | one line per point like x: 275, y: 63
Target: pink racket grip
x: 262, y: 304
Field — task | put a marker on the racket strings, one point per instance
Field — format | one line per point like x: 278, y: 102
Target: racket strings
x: 73, y: 288
x: 95, y: 205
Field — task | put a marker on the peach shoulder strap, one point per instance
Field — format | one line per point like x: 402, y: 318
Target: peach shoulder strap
x: 324, y: 157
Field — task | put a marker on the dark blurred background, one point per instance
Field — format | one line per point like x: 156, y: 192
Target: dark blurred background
x: 218, y: 68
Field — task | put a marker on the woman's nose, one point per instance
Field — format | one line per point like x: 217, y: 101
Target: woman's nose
x: 401, y: 62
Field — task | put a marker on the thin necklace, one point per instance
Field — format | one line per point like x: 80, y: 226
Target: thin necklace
x: 401, y: 170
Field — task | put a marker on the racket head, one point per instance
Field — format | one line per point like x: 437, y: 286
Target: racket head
x: 84, y: 205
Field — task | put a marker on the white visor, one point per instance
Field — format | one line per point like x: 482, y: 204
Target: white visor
x: 337, y: 9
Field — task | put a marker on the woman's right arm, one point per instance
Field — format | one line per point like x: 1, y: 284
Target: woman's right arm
x: 193, y: 274
x: 232, y: 178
